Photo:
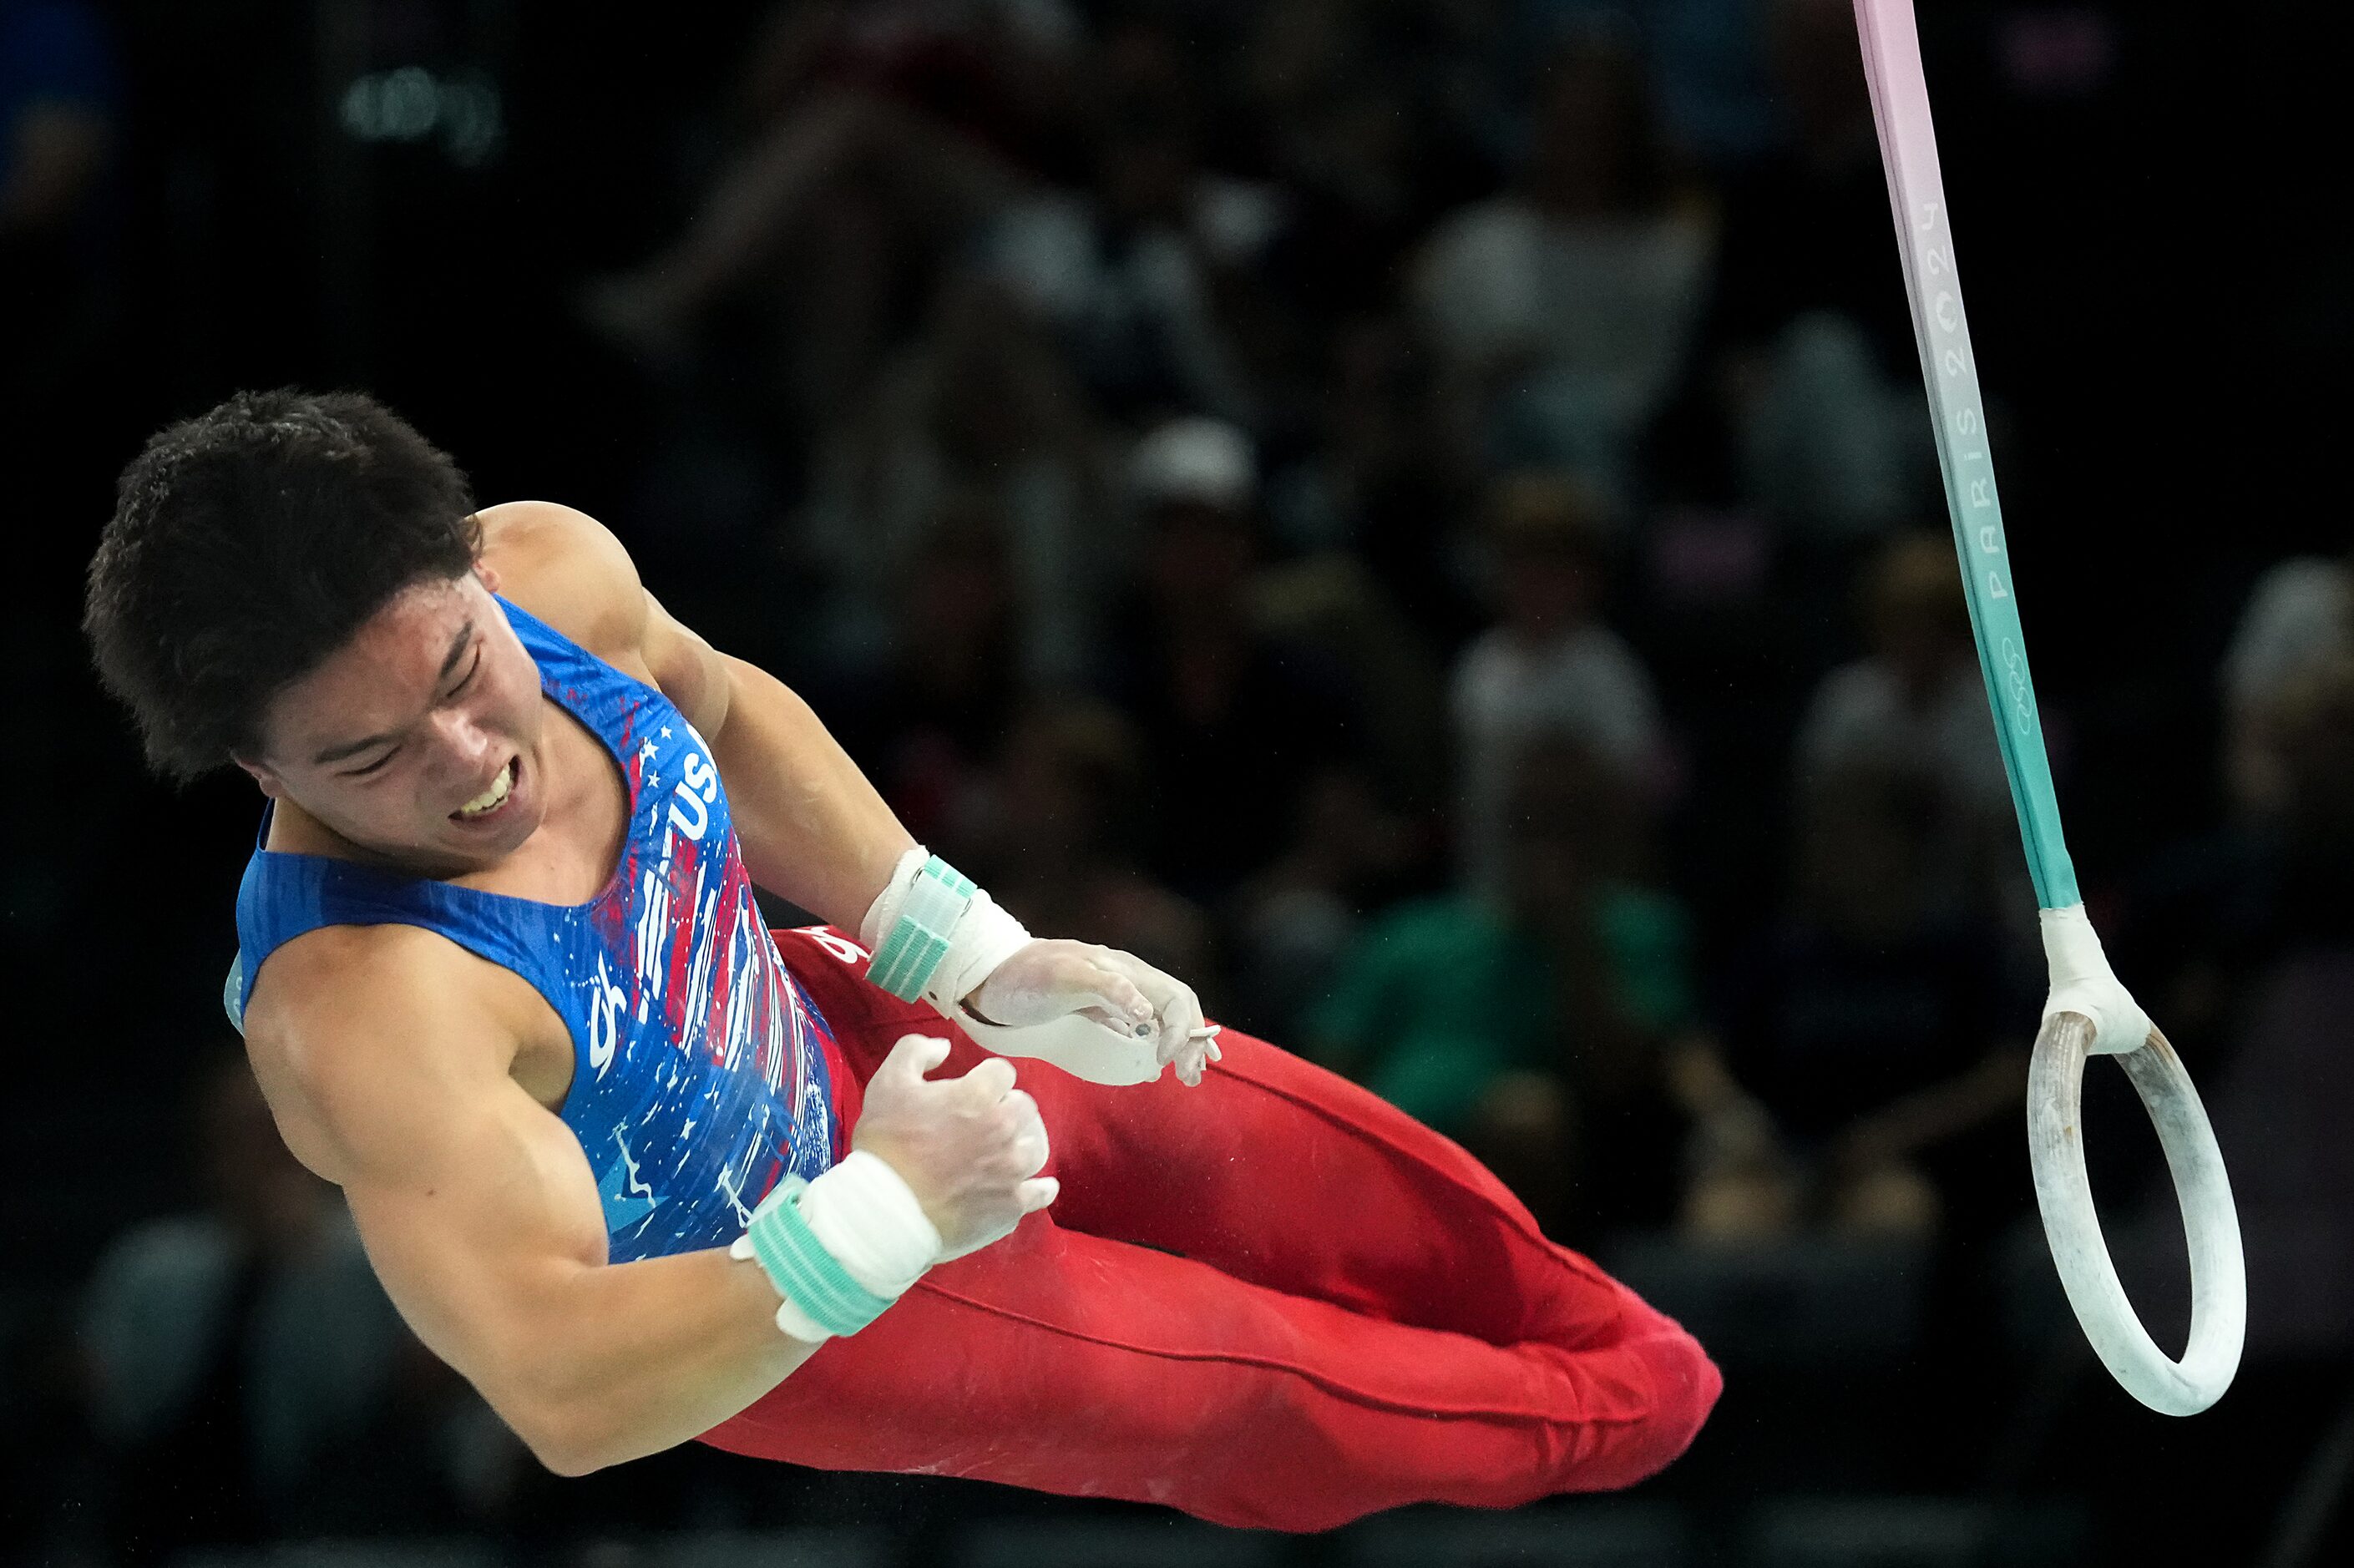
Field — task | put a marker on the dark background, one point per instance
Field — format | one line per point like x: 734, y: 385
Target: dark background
x: 2160, y: 323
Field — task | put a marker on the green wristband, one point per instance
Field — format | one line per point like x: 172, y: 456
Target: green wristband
x: 918, y: 939
x: 799, y: 1266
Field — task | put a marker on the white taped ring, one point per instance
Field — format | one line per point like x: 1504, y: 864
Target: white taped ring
x: 2082, y: 983
x: 2218, y: 1286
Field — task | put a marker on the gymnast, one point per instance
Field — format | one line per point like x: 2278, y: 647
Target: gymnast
x: 911, y: 1191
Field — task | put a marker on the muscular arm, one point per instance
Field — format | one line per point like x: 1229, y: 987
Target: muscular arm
x: 389, y: 1076
x: 812, y: 829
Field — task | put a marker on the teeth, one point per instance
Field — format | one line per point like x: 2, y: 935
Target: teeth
x: 492, y: 798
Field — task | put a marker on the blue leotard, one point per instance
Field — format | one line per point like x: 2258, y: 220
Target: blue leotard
x: 699, y: 1078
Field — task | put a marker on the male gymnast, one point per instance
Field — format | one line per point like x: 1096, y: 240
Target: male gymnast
x: 644, y: 1170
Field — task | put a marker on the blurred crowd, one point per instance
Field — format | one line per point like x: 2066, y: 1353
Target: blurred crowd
x: 1415, y: 515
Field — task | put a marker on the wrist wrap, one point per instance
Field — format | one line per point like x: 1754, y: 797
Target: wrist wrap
x: 931, y: 903
x: 839, y: 1249
x: 935, y: 936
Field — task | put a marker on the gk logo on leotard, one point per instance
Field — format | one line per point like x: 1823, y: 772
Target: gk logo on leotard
x: 605, y: 1004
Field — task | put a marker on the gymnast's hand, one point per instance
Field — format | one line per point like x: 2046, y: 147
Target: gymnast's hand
x: 970, y: 1149
x: 1047, y: 979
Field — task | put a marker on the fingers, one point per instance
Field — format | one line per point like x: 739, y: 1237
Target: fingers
x: 1030, y: 1145
x: 1118, y: 1002
x: 1176, y: 1010
x: 914, y: 1055
x: 991, y: 1081
x: 1036, y: 1193
x: 1180, y: 1025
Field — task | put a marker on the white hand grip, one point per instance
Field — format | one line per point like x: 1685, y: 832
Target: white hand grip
x: 2219, y: 1285
x: 1077, y: 1044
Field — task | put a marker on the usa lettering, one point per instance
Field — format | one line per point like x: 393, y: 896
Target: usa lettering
x: 692, y: 797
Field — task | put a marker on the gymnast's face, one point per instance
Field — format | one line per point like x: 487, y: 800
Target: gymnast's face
x: 418, y: 741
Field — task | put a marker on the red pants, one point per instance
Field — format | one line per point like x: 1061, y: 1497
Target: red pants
x: 1272, y: 1300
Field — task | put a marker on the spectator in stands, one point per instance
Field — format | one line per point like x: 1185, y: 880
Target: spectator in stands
x: 2299, y: 620
x: 1805, y: 371
x: 1549, y: 667
x: 1881, y: 1032
x: 980, y: 413
x: 1139, y: 271
x: 1536, y: 1026
x: 1057, y: 833
x: 244, y: 1364
x: 1236, y: 723
x: 1566, y: 306
x: 1362, y: 835
x: 2209, y: 917
x: 1387, y: 476
x: 1917, y: 704
x: 57, y: 116
x: 1294, y: 924
x: 927, y: 723
x: 883, y: 135
x: 1375, y: 120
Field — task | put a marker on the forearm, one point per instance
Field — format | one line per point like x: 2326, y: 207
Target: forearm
x: 640, y: 1357
x: 813, y: 830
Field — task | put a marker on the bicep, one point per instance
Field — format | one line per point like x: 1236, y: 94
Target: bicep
x: 690, y: 672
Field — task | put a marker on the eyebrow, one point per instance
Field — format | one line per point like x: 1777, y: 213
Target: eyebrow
x: 353, y: 748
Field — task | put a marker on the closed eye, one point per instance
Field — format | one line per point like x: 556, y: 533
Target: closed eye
x: 378, y: 765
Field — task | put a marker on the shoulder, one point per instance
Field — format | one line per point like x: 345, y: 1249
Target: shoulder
x: 568, y: 568
x: 571, y: 571
x: 359, y: 1026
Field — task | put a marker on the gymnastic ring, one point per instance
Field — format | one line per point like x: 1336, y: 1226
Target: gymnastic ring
x: 2218, y: 1284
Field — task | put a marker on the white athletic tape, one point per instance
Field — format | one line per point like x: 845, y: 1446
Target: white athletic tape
x: 883, y: 913
x: 2219, y: 1285
x: 936, y: 936
x: 867, y: 1219
x: 984, y: 939
x: 2082, y: 983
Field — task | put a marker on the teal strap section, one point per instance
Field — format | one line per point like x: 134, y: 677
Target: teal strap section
x: 918, y: 942
x: 800, y: 1268
x: 1900, y: 105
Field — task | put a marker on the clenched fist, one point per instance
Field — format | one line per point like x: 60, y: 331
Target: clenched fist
x: 970, y: 1148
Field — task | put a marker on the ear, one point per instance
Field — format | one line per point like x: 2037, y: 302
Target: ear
x: 487, y: 575
x: 263, y: 774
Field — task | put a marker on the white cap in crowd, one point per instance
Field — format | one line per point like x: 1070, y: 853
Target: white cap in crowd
x: 1194, y: 461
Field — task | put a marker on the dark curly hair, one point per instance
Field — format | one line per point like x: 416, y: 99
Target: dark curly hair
x: 248, y: 544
